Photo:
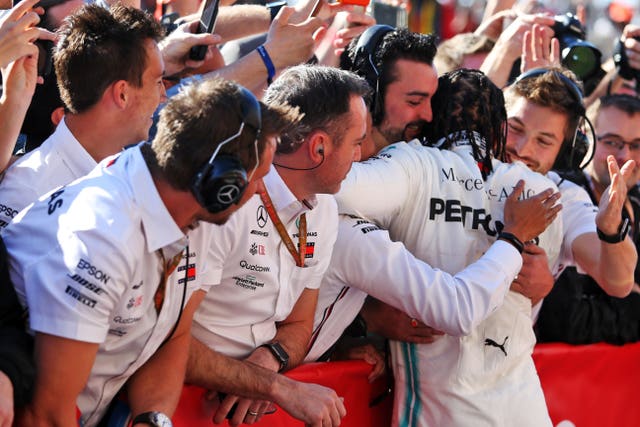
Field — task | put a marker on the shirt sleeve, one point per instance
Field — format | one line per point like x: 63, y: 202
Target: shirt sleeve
x: 71, y: 286
x: 377, y: 188
x: 386, y: 270
x: 578, y: 217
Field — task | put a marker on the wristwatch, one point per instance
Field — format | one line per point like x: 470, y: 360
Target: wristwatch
x: 153, y: 418
x: 279, y: 353
x: 623, y: 231
x: 274, y: 7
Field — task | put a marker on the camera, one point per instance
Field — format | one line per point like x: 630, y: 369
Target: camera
x: 578, y: 55
x: 622, y: 62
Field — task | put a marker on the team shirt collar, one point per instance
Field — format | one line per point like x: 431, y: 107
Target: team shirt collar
x: 72, y: 152
x: 285, y: 203
x: 159, y: 228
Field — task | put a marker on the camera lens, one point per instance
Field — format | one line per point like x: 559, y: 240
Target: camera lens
x: 582, y: 60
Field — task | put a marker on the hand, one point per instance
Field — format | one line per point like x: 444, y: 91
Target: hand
x: 494, y: 25
x: 326, y: 11
x: 612, y: 199
x: 176, y: 46
x: 20, y: 78
x: 394, y: 324
x: 291, y: 44
x: 512, y: 38
x: 631, y: 45
x: 18, y: 31
x: 534, y: 280
x: 315, y: 405
x: 6, y: 401
x: 539, y: 49
x: 527, y: 218
x: 357, y: 22
x: 371, y: 355
x: 239, y: 410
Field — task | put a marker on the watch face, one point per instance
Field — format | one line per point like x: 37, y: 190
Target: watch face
x: 161, y: 420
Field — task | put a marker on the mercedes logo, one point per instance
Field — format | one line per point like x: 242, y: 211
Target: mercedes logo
x: 261, y: 216
x: 228, y: 194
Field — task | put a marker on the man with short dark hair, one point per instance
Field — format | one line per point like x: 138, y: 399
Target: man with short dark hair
x: 108, y: 272
x: 110, y: 87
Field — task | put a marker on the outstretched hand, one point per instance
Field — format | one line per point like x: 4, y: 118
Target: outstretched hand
x: 612, y: 200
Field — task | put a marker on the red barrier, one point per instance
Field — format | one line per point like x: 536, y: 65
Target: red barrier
x: 349, y: 379
x: 590, y: 385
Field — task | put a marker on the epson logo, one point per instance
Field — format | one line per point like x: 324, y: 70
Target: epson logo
x: 93, y: 271
x: 254, y: 267
x: 10, y: 212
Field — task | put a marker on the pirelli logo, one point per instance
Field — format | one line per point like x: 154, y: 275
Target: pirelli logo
x: 73, y: 292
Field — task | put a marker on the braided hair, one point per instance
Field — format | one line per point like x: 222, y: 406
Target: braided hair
x: 468, y: 104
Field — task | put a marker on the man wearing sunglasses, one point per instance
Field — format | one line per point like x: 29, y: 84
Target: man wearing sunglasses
x: 577, y: 310
x: 113, y: 261
x: 274, y: 253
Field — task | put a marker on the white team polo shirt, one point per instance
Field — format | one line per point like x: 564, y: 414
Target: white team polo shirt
x: 90, y: 267
x: 58, y: 161
x: 260, y: 281
x: 437, y: 203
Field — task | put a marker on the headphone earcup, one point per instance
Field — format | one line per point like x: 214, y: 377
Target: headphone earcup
x: 364, y: 57
x: 219, y: 185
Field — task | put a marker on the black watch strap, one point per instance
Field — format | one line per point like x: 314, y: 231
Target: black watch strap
x: 153, y: 418
x: 511, y: 238
x: 623, y: 231
x: 279, y: 353
x: 274, y: 7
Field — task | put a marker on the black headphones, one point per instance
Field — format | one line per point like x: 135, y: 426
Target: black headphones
x: 222, y: 180
x: 365, y: 50
x: 572, y: 156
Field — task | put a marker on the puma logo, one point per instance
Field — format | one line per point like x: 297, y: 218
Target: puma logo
x: 492, y: 343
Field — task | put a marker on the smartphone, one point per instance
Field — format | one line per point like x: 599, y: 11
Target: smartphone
x: 206, y: 25
x: 316, y: 8
x: 45, y: 57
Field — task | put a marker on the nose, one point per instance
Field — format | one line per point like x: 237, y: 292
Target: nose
x: 357, y: 154
x: 163, y: 94
x: 623, y: 154
x: 518, y: 145
x: 426, y: 113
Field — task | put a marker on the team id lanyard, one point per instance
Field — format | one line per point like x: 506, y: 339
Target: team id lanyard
x: 299, y: 255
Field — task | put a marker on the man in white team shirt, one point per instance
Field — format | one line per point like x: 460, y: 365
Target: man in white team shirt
x: 544, y: 108
x: 275, y: 251
x: 101, y: 91
x: 107, y: 273
x: 445, y: 205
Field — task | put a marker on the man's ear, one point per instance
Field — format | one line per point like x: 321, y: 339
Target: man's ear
x: 57, y: 115
x: 319, y: 143
x: 120, y: 93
